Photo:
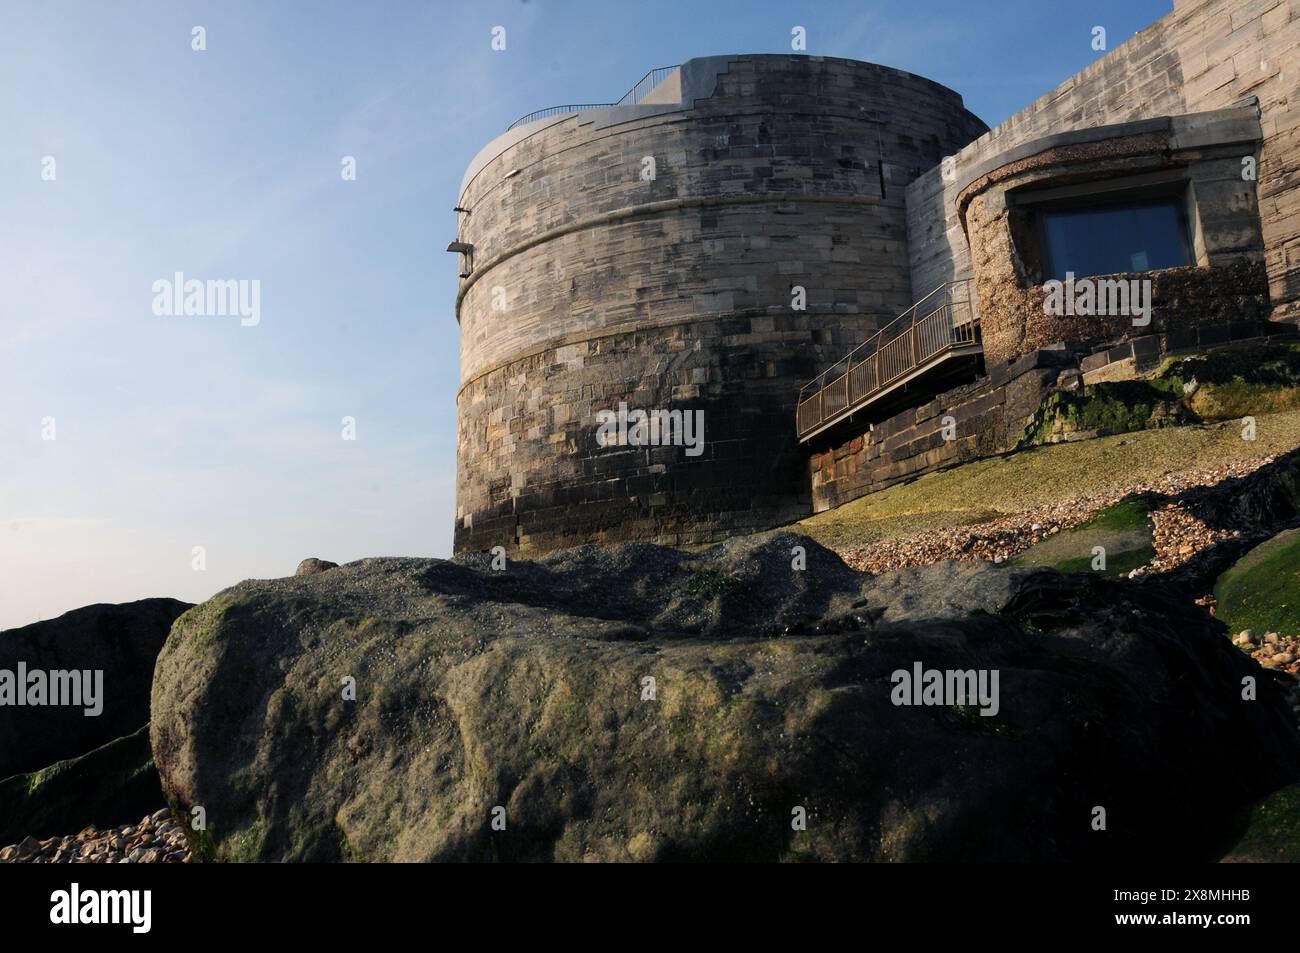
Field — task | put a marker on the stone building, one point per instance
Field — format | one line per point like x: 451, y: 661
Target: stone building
x: 830, y: 259
x: 651, y: 255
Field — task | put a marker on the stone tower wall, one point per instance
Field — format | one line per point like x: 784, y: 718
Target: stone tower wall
x: 591, y: 285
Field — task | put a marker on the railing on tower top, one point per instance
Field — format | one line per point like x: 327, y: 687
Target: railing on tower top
x: 646, y: 83
x: 633, y: 96
x: 944, y: 320
x: 555, y: 111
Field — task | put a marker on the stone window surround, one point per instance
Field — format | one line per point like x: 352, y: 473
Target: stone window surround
x: 1124, y: 160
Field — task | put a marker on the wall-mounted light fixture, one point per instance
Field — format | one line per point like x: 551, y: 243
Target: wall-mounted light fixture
x: 466, y: 249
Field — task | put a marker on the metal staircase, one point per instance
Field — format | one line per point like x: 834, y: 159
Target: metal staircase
x: 941, y: 327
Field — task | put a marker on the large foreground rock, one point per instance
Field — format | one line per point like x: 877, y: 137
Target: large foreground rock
x: 120, y: 640
x: 526, y: 690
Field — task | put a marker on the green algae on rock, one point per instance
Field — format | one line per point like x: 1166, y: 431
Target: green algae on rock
x: 1113, y: 543
x: 1262, y: 589
x: 113, y: 783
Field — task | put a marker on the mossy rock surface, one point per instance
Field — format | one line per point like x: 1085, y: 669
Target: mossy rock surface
x: 114, y: 784
x: 634, y: 702
x: 1223, y: 384
x: 1107, y: 408
x: 1235, y: 382
x: 1123, y: 531
x: 1272, y: 830
x: 1262, y: 589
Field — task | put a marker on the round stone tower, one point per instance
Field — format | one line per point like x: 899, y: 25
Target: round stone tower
x: 709, y: 248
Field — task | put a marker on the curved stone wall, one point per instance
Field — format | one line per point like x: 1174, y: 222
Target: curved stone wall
x: 597, y: 278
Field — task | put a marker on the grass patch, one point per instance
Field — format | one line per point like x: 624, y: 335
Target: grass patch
x: 986, y: 489
x: 346, y: 850
x: 969, y: 715
x: 1262, y: 589
x: 245, y: 847
x: 1224, y: 384
x: 1126, y: 516
x: 1240, y: 399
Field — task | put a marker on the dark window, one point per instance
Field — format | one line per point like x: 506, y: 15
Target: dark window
x: 1114, y: 238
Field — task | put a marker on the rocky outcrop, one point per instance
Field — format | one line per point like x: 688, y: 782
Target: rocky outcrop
x: 311, y: 565
x: 639, y: 703
x: 121, y: 641
x: 104, y: 786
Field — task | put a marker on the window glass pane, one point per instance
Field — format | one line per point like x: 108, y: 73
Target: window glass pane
x: 1114, y: 238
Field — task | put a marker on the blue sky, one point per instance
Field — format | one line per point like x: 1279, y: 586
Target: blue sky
x: 176, y: 432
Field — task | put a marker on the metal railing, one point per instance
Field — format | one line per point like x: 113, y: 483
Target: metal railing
x: 944, y: 320
x: 555, y: 111
x: 633, y: 96
x: 645, y: 84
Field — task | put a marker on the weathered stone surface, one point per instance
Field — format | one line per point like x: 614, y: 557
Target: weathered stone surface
x: 121, y: 640
x: 525, y: 689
